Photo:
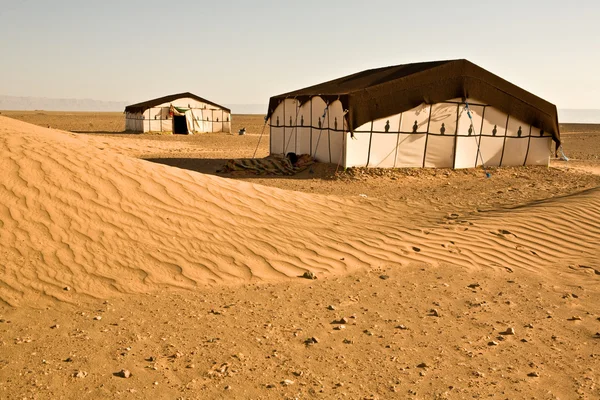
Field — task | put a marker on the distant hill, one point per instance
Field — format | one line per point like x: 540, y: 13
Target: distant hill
x: 48, y: 104
x: 566, y: 115
x: 247, y: 108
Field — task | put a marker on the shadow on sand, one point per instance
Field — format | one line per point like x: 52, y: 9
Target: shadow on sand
x: 211, y: 166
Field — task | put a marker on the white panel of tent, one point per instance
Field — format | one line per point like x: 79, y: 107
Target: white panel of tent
x: 336, y: 132
x: 464, y: 122
x: 383, y: 150
x: 389, y: 124
x: 467, y: 144
x: 491, y: 151
x: 517, y: 128
x: 217, y: 120
x: 226, y: 121
x: 384, y: 142
x: 357, y: 149
x: 416, y: 119
x: 492, y: 141
x: 443, y: 118
x: 167, y: 125
x: 291, y: 110
x: 320, y: 135
x: 440, y: 151
x: 411, y: 148
x: 276, y: 124
x: 515, y: 146
x: 540, y: 148
x: 494, y: 122
x: 364, y: 127
x: 304, y: 130
x: 515, y: 150
x: 208, y: 125
x: 466, y: 151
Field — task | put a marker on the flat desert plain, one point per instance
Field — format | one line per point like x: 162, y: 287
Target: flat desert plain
x: 130, y: 268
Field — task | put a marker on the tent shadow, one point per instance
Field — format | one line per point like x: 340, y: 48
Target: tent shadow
x: 211, y: 166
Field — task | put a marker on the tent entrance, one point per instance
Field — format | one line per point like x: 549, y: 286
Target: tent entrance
x: 180, y: 125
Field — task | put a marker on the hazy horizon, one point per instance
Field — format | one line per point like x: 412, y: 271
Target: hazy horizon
x: 13, y: 103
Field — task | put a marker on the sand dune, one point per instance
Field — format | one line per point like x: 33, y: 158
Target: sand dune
x: 101, y: 224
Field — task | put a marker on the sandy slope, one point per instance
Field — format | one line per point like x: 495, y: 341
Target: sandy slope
x: 98, y: 222
x: 104, y: 225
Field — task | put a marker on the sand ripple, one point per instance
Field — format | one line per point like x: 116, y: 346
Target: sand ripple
x: 72, y: 215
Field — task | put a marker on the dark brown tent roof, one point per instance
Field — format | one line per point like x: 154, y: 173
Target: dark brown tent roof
x: 143, y: 106
x: 378, y: 93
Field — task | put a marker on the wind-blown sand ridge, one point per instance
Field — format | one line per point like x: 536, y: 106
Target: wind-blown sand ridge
x: 104, y: 224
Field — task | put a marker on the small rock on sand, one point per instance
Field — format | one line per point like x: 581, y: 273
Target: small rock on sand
x: 124, y: 373
x: 309, y: 275
x: 80, y: 374
x: 508, y: 331
x: 311, y: 340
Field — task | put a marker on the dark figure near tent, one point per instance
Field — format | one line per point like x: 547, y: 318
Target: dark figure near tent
x: 292, y: 157
x: 242, y: 131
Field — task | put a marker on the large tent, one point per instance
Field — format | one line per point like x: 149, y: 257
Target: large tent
x: 434, y: 114
x: 183, y: 113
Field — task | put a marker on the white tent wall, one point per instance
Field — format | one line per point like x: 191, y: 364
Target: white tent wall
x: 310, y: 128
x: 440, y: 135
x: 291, y: 109
x: 200, y: 117
x: 320, y: 123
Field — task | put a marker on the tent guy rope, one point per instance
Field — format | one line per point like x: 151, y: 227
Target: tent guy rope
x: 260, y: 138
x: 479, y: 155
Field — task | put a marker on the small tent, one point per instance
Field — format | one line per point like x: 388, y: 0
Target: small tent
x: 183, y: 113
x: 451, y: 114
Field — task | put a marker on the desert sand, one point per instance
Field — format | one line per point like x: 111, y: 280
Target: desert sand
x: 130, y: 252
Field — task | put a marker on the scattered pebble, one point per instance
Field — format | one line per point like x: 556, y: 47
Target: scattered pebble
x: 533, y: 374
x: 384, y: 277
x: 309, y: 275
x: 423, y: 365
x: 227, y: 387
x: 331, y: 308
x: 55, y: 326
x: 416, y: 249
x: 66, y: 288
x: 493, y: 343
x: 124, y: 373
x: 508, y: 331
x: 575, y: 318
x: 97, y: 317
x: 340, y: 327
x: 287, y: 382
x: 434, y: 312
x: 311, y: 340
x: 474, y: 285
x: 80, y: 374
